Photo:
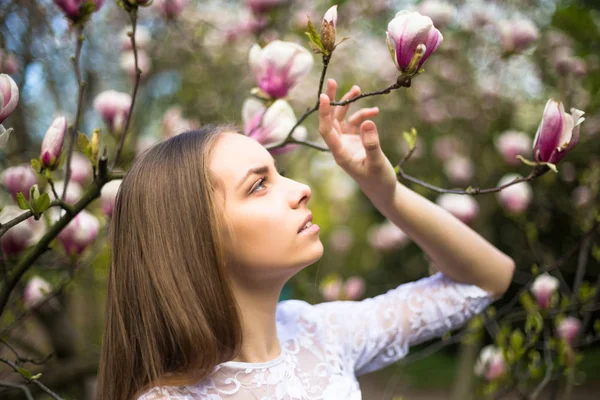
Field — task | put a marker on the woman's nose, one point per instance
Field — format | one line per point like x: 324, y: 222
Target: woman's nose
x: 302, y: 194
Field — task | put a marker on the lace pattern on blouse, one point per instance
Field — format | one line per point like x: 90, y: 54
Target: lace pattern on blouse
x: 325, y: 346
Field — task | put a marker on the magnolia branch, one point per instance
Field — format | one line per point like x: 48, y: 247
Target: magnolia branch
x: 75, y: 127
x: 138, y: 73
x: 27, y: 261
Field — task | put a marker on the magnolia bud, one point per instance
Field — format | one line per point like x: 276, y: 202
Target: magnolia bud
x: 19, y: 179
x: 76, y: 10
x: 35, y: 292
x: 113, y: 107
x: 568, y: 329
x: 459, y: 169
x: 543, y: 288
x: 490, y: 364
x: 557, y: 133
x: 9, y: 96
x: 95, y: 145
x: 406, y: 32
x: 109, y: 195
x: 79, y: 233
x: 515, y: 198
x: 512, y: 143
x: 53, y: 142
x: 328, y: 29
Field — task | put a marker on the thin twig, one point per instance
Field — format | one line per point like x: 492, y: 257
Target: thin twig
x: 28, y: 214
x: 24, y: 388
x: 138, y: 73
x: 75, y: 127
x: 549, y: 365
x: 34, y: 381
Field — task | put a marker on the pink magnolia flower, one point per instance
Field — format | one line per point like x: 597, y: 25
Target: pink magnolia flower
x: 568, y: 329
x: 142, y: 37
x: 490, y: 364
x: 173, y: 123
x: 74, y: 191
x: 73, y: 8
x: 341, y: 239
x: 354, y: 288
x: 445, y: 147
x: 9, y: 96
x: 328, y: 28
x: 81, y: 168
x: 387, y: 236
x: 19, y: 179
x: 512, y: 143
x: 108, y: 196
x: 440, y: 12
x: 277, y: 122
x: 22, y: 235
x: 408, y: 30
x: 557, y: 133
x: 463, y: 207
x: 517, y: 35
x: 516, y: 198
x: 279, y: 66
x: 127, y: 63
x: 543, y: 288
x: 79, y: 233
x: 170, y: 9
x: 35, y: 291
x: 335, y: 289
x: 113, y: 107
x: 459, y: 169
x: 331, y: 290
x: 8, y: 63
x: 53, y: 142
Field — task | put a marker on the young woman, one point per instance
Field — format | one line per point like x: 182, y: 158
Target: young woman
x: 206, y: 233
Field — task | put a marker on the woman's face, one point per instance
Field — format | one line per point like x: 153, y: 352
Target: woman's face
x: 265, y: 211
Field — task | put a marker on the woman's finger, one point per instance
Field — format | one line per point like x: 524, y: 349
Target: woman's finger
x: 370, y: 141
x: 329, y: 134
x: 341, y: 111
x: 361, y: 116
x: 331, y: 90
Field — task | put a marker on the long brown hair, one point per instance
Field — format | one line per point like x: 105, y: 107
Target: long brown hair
x: 171, y: 315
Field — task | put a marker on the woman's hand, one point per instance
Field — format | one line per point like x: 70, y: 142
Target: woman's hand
x: 355, y: 145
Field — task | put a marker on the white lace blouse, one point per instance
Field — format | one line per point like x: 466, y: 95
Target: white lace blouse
x: 325, y: 346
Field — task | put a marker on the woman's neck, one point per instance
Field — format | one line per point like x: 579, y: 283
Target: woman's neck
x: 258, y: 306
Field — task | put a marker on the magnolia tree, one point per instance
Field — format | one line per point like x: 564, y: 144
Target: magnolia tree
x: 538, y: 334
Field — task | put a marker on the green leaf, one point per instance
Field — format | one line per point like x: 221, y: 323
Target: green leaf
x: 315, y: 39
x: 83, y: 143
x: 26, y: 374
x: 534, y: 371
x: 410, y: 138
x: 36, y: 165
x: 534, y: 323
x: 528, y: 303
x: 22, y: 202
x: 516, y: 340
x: 43, y: 202
x: 36, y: 376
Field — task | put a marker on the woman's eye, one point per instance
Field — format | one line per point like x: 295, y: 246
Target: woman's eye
x: 259, y: 184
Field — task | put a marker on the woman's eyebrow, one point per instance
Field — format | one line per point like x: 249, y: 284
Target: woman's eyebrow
x: 255, y: 171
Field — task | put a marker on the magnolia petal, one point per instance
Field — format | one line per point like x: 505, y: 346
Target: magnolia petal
x: 549, y: 130
x: 254, y: 59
